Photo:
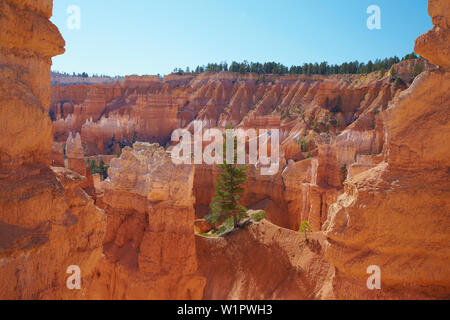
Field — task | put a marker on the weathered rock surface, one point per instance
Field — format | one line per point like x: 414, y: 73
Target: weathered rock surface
x: 386, y: 143
x: 75, y: 154
x: 435, y: 44
x: 149, y: 109
x: 396, y: 215
x: 47, y: 222
x: 149, y: 247
x: 28, y: 41
x: 264, y: 261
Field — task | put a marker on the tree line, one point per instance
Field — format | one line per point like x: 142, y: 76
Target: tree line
x: 354, y: 67
x: 85, y: 75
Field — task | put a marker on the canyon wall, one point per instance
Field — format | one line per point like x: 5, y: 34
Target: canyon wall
x: 149, y: 248
x: 47, y: 222
x: 363, y: 159
x: 334, y: 119
x: 396, y: 214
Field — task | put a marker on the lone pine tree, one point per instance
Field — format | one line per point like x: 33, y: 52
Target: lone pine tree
x: 229, y: 189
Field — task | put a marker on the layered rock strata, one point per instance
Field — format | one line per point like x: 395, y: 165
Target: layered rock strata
x: 47, y: 222
x: 396, y: 215
x: 149, y: 247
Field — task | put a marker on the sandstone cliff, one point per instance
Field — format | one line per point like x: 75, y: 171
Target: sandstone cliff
x: 335, y: 119
x: 149, y: 247
x: 47, y: 222
x: 396, y: 215
x: 363, y: 159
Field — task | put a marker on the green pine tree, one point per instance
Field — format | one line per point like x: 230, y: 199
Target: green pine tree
x: 305, y: 228
x: 229, y: 188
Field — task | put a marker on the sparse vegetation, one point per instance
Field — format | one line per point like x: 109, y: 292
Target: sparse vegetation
x: 225, y: 204
x: 393, y: 73
x: 315, y: 126
x: 305, y: 228
x: 399, y: 82
x: 417, y: 70
x: 303, y: 144
x: 101, y: 168
x: 258, y: 216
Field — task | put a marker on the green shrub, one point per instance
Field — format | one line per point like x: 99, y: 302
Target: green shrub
x: 304, y: 145
x: 258, y: 216
x: 393, y: 73
x: 417, y: 70
x: 399, y: 82
x: 315, y: 124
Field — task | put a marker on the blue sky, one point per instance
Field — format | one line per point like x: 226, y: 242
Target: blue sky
x: 119, y: 37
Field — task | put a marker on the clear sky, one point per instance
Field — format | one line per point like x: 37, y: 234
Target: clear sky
x: 120, y: 37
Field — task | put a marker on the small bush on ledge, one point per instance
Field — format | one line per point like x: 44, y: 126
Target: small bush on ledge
x: 258, y: 216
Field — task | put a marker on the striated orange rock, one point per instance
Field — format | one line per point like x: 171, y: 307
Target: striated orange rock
x: 75, y: 154
x: 396, y: 215
x: 264, y: 261
x: 55, y: 227
x: 28, y: 41
x: 154, y: 107
x: 149, y: 247
x: 201, y: 226
x: 57, y: 155
x: 435, y: 44
x: 47, y: 222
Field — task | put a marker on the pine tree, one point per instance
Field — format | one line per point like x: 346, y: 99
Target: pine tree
x: 229, y: 188
x: 305, y: 228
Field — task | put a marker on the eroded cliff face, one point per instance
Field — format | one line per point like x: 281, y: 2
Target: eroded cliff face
x: 396, y: 215
x: 264, y: 262
x: 333, y: 119
x: 149, y: 248
x: 29, y: 40
x: 387, y: 142
x: 47, y: 222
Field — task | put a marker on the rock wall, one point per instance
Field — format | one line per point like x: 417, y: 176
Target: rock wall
x: 28, y: 41
x: 301, y: 107
x: 149, y: 248
x: 47, y: 222
x: 294, y: 104
x: 396, y: 215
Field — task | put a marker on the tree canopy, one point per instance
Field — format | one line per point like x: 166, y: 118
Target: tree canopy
x: 323, y: 68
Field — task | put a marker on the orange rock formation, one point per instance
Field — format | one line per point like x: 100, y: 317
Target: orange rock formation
x: 149, y: 246
x: 47, y: 222
x: 264, y: 262
x: 396, y: 215
x: 363, y: 159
